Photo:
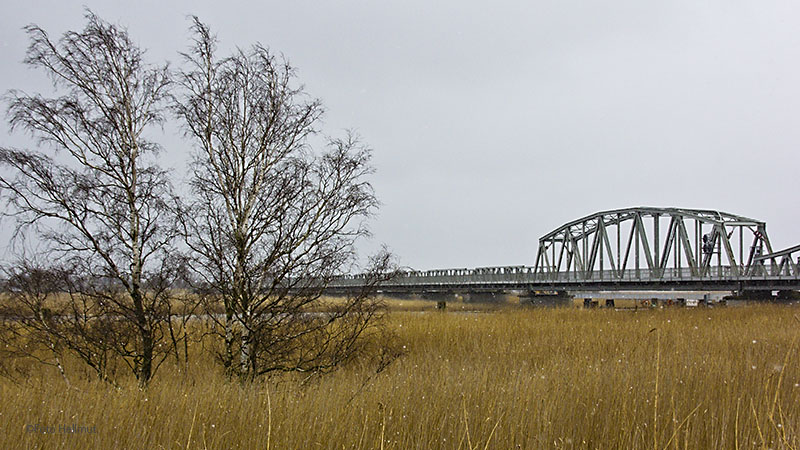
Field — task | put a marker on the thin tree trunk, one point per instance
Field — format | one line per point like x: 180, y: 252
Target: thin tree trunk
x: 244, y: 362
x: 145, y: 369
x: 227, y: 357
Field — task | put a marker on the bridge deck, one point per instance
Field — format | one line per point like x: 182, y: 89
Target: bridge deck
x: 526, y: 278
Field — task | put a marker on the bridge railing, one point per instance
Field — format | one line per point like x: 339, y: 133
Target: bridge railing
x: 756, y: 272
x: 522, y: 275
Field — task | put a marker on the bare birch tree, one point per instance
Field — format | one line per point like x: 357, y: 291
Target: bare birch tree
x: 93, y: 193
x: 272, y: 221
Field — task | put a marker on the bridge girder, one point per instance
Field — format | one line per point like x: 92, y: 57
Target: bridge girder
x: 781, y: 262
x: 653, y: 239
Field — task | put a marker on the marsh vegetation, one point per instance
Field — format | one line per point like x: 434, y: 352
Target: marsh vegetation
x: 509, y: 378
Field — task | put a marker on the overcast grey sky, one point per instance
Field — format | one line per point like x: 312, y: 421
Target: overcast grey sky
x: 493, y: 123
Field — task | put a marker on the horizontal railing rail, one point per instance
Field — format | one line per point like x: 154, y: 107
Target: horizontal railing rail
x: 525, y: 275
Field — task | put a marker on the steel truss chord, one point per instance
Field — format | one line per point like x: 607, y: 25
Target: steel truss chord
x: 659, y: 237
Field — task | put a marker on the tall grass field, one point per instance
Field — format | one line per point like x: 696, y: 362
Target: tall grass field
x: 516, y: 378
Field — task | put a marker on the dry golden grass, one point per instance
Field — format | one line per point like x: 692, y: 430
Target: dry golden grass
x: 536, y: 378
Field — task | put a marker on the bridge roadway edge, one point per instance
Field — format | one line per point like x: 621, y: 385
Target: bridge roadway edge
x: 531, y: 289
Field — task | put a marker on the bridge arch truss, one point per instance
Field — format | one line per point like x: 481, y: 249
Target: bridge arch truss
x: 655, y: 243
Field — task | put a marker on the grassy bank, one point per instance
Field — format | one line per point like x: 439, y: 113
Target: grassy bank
x: 516, y: 378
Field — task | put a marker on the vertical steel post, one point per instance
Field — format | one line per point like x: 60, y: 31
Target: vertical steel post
x: 741, y: 254
x: 659, y: 269
x: 697, y: 232
x: 585, y: 250
x: 636, y: 225
x: 600, y: 242
x: 721, y: 235
x: 678, y: 248
x: 619, y: 258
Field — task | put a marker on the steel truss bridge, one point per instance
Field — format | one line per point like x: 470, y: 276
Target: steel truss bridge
x: 626, y: 249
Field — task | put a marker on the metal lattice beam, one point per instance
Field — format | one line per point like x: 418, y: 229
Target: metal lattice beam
x: 658, y: 239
